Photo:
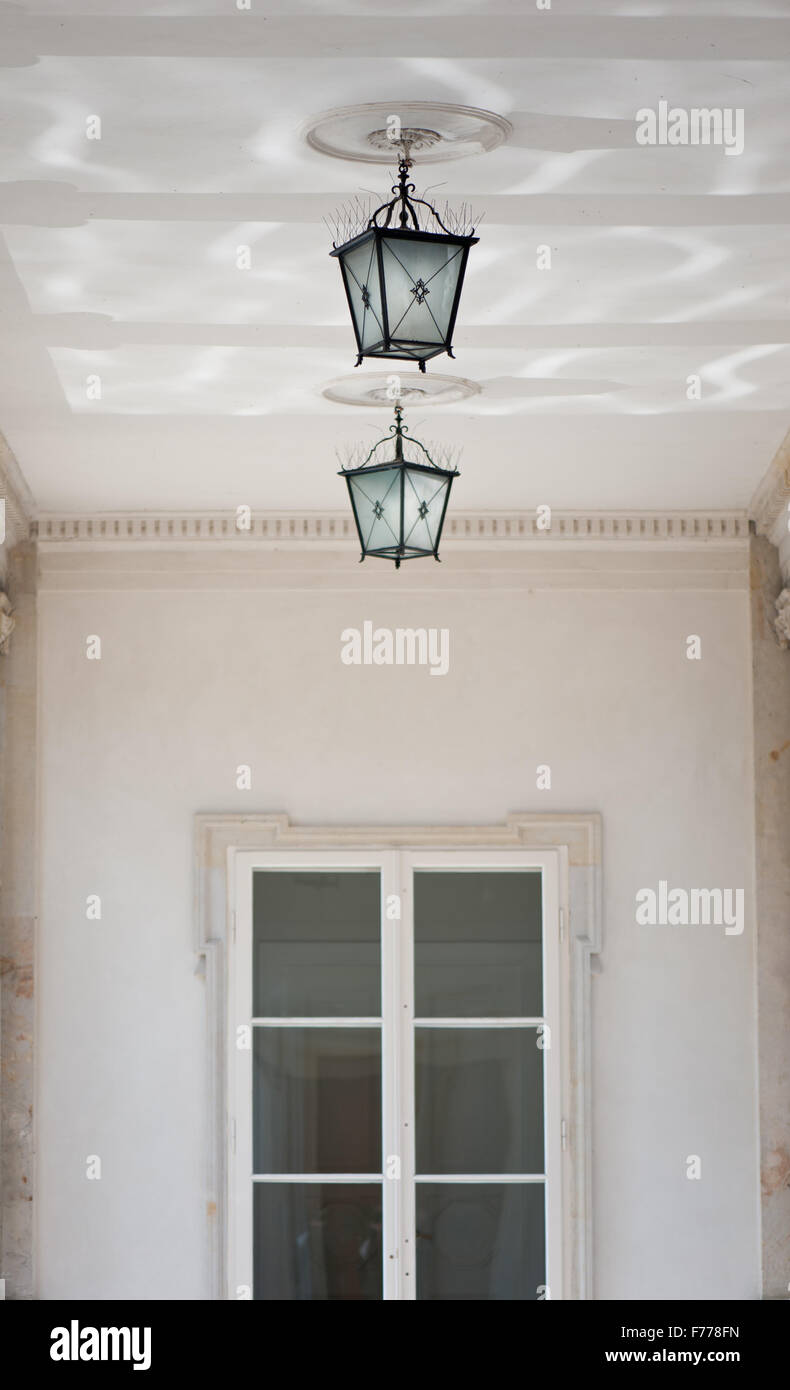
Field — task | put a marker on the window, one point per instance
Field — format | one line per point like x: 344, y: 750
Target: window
x: 396, y: 1064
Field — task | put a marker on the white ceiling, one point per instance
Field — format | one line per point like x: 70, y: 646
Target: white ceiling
x: 118, y: 255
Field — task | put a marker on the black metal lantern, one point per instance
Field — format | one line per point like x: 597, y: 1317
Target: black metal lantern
x: 399, y: 503
x: 404, y: 282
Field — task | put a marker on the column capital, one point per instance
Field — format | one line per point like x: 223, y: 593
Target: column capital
x: 769, y: 508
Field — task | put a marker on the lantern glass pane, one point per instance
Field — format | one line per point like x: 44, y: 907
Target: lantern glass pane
x: 423, y: 504
x: 377, y: 501
x: 420, y: 281
x: 362, y: 279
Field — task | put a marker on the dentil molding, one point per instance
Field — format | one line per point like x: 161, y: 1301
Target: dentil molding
x: 331, y: 530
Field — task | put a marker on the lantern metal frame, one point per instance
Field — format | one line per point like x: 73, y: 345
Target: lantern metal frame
x: 390, y: 346
x: 401, y: 549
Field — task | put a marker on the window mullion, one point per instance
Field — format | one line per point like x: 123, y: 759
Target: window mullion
x: 240, y: 1089
x: 408, y: 1233
x: 552, y: 1077
x: 390, y: 1077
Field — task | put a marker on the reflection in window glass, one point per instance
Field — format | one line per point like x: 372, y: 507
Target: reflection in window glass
x: 316, y: 1242
x: 477, y: 945
x: 317, y: 1100
x: 480, y: 1241
x: 316, y: 944
x: 479, y: 1100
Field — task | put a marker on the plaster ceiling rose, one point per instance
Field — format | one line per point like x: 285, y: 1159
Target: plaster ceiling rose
x: 410, y: 388
x: 435, y: 131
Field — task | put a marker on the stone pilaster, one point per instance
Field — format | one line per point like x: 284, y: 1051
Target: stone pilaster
x: 771, y: 706
x: 18, y: 777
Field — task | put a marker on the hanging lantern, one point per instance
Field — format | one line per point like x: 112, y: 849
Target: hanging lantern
x: 403, y: 282
x: 399, y: 502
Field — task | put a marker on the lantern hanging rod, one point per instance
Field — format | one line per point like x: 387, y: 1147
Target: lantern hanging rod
x: 398, y: 431
x: 404, y: 192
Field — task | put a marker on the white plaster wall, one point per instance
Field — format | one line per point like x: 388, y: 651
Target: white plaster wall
x: 192, y: 683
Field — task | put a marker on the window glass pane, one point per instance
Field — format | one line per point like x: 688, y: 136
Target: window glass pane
x: 477, y: 945
x: 479, y: 1100
x: 317, y: 1241
x: 480, y: 1241
x: 316, y: 944
x: 317, y: 1100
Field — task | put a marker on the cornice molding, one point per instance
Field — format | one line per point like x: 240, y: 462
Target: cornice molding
x: 332, y: 530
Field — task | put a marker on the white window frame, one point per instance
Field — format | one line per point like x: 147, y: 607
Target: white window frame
x: 574, y: 837
x: 396, y: 869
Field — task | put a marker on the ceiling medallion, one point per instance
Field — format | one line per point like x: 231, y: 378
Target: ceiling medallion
x: 408, y: 388
x: 439, y: 131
